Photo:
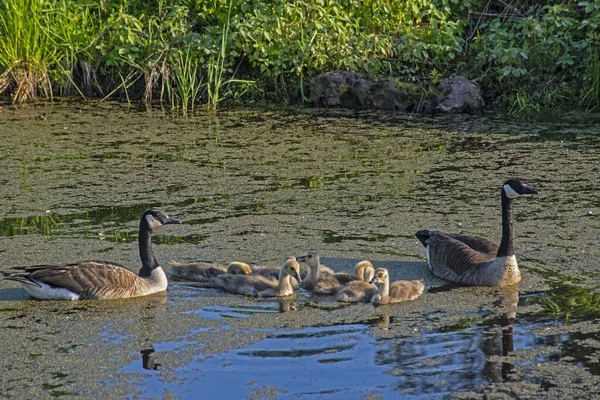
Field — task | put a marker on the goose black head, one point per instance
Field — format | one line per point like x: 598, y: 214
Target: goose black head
x: 515, y: 188
x: 156, y: 218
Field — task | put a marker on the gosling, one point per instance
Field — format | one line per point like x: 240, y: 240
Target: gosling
x: 396, y: 292
x: 260, y: 286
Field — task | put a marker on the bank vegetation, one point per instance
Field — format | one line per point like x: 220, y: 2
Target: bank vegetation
x: 526, y: 55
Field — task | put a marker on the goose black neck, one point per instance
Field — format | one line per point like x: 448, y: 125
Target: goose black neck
x: 506, y: 245
x: 149, y: 262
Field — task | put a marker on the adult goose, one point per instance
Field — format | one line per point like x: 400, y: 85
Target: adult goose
x: 473, y: 260
x: 100, y: 280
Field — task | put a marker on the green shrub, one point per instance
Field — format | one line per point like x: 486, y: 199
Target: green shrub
x: 533, y: 55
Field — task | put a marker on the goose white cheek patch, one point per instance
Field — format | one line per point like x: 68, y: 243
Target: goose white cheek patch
x: 152, y: 222
x: 510, y: 192
x: 427, y: 252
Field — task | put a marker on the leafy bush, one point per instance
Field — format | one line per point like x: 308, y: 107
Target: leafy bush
x: 534, y: 54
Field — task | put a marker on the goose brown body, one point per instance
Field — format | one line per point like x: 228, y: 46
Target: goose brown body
x: 472, y: 260
x: 99, y: 280
x: 91, y: 280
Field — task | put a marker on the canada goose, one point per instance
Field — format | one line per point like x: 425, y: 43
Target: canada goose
x: 100, y: 280
x: 258, y: 285
x: 361, y: 289
x: 473, y: 260
x: 321, y: 279
x: 397, y: 291
x: 205, y: 271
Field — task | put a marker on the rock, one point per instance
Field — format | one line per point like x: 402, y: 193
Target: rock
x: 341, y: 88
x: 351, y: 90
x: 384, y: 95
x: 459, y: 94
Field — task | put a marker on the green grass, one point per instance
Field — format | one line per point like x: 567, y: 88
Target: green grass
x: 216, y: 67
x: 186, y: 81
x: 197, y: 51
x: 591, y: 96
x: 26, y: 51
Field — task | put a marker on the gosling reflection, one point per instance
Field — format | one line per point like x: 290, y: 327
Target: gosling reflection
x: 383, y: 321
x: 148, y: 361
x: 286, y: 305
x: 498, y: 338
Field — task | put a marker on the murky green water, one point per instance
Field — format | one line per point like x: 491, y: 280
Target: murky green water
x: 257, y: 185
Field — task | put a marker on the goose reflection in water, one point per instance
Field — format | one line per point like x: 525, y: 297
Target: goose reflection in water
x: 286, y: 305
x: 498, y: 337
x: 460, y: 357
x: 148, y: 361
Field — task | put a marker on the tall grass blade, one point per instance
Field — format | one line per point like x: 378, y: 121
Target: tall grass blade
x: 25, y: 50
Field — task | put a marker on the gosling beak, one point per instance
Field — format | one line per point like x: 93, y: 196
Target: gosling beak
x: 301, y: 259
x: 173, y: 221
x: 373, y: 281
x: 298, y: 278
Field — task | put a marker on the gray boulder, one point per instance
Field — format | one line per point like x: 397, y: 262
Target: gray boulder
x: 458, y: 94
x: 351, y: 90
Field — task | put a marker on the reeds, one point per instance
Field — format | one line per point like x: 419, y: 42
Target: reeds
x: 25, y: 50
x: 185, y: 83
x: 591, y: 93
x: 216, y: 68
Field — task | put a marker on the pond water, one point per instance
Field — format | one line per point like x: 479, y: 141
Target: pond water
x: 259, y: 185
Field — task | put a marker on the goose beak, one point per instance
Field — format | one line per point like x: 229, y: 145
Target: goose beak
x: 301, y: 259
x: 298, y: 278
x: 529, y: 190
x: 173, y: 221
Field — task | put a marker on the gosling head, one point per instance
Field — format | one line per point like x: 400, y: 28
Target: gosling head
x: 156, y: 218
x: 381, y: 274
x: 292, y: 268
x: 239, y: 268
x: 364, y: 270
x: 361, y: 266
x: 514, y: 188
x: 311, y: 259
